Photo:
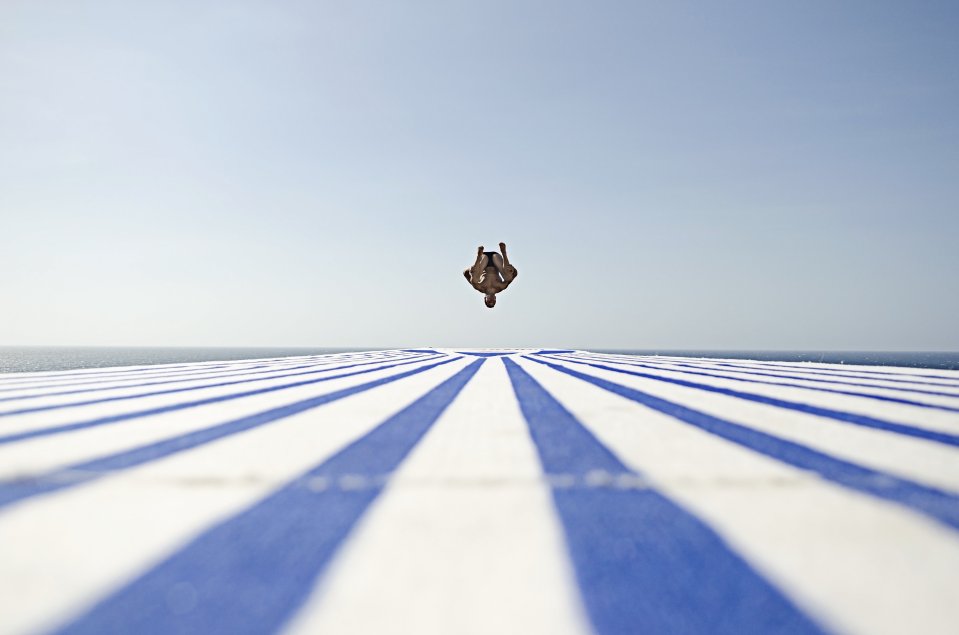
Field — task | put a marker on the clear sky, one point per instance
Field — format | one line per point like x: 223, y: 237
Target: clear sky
x: 734, y: 175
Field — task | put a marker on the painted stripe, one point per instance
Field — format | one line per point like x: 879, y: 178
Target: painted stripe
x: 829, y: 413
x: 786, y: 384
x: 90, y: 375
x: 54, y: 419
x: 96, y: 372
x: 256, y: 370
x: 190, y: 371
x: 643, y: 563
x: 111, y: 419
x: 79, y: 473
x: 162, y: 505
x: 250, y: 573
x: 934, y: 503
x: 475, y: 354
x: 856, y: 564
x: 932, y: 464
x: 464, y: 539
x: 835, y: 380
x: 260, y: 376
x: 119, y: 370
x: 901, y: 376
x: 133, y: 371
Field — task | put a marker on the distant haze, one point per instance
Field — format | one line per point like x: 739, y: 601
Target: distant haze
x: 744, y: 175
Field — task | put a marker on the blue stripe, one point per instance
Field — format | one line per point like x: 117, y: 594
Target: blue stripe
x: 17, y: 377
x: 253, y: 571
x: 702, y: 373
x: 40, y: 385
x: 645, y: 565
x: 194, y: 371
x: 79, y: 473
x: 82, y: 425
x: 934, y: 503
x: 846, y: 417
x: 189, y: 372
x: 183, y: 377
x: 260, y: 376
x: 793, y: 376
x: 134, y: 373
x: 866, y: 374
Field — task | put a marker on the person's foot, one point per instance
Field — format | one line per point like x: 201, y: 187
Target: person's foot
x: 479, y: 250
x: 502, y: 246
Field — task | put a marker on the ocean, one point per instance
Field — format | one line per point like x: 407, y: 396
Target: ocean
x: 14, y: 359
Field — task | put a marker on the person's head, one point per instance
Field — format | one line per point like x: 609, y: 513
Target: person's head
x: 490, y: 300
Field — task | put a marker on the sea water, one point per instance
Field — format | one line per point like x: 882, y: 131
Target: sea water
x: 39, y: 358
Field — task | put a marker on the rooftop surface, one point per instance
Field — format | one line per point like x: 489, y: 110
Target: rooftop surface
x: 448, y: 491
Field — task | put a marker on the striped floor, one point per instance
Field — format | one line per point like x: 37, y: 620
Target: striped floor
x: 453, y: 491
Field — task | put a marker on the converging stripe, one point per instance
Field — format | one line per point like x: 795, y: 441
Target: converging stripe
x: 701, y: 368
x: 934, y: 503
x: 251, y: 572
x: 858, y: 373
x: 80, y: 473
x: 644, y: 564
x: 113, y: 384
x: 751, y: 379
x: 110, y: 419
x: 847, y: 417
x: 260, y: 376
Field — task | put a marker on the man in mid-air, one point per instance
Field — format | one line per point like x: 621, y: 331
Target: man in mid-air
x: 491, y: 273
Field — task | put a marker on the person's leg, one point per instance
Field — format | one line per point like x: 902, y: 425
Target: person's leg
x: 506, y: 271
x: 498, y: 263
x: 479, y: 267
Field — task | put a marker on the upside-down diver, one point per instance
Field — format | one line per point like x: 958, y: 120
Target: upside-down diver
x: 491, y: 273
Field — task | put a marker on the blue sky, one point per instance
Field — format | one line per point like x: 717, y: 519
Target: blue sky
x: 745, y: 175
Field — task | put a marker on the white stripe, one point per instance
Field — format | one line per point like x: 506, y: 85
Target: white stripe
x: 97, y: 537
x: 859, y: 564
x: 464, y: 539
x: 129, y: 387
x: 145, y: 370
x: 93, y: 374
x: 938, y: 420
x: 39, y: 455
x: 904, y: 372
x: 48, y: 419
x: 812, y: 394
x: 829, y: 380
x: 928, y: 462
